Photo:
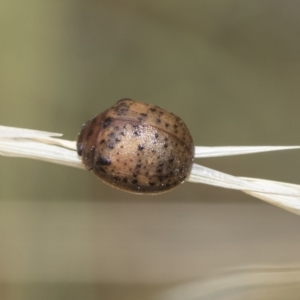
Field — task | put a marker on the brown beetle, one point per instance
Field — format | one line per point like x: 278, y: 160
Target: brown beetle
x: 137, y: 147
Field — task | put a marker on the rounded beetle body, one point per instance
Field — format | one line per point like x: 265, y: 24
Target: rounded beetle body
x: 137, y: 147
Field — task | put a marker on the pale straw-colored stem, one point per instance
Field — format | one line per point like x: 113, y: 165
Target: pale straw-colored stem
x: 239, y: 284
x: 45, y: 146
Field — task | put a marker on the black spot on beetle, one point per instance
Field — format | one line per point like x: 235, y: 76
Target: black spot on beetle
x: 107, y: 122
x: 134, y: 181
x: 152, y: 183
x: 101, y: 160
x: 102, y: 142
x: 143, y: 115
x: 156, y: 135
x: 79, y: 149
x: 158, y: 120
x: 141, y: 147
x: 161, y: 178
x: 166, y: 146
x: 111, y: 146
x: 102, y: 170
x: 167, y: 125
x: 171, y: 160
x: 181, y: 171
x: 122, y: 108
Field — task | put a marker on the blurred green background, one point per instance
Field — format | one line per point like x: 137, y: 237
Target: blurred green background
x: 229, y: 69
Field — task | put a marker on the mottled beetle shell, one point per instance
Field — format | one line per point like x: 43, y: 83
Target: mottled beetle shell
x: 137, y: 147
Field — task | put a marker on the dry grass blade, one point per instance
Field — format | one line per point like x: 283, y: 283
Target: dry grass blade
x: 40, y: 151
x: 202, y: 152
x: 281, y: 194
x: 13, y: 132
x: 41, y: 145
x: 239, y: 284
